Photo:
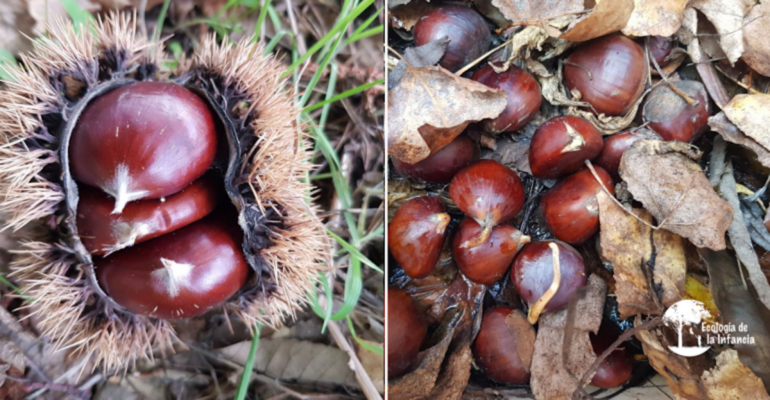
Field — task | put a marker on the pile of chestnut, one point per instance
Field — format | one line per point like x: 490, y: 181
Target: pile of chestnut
x: 611, y: 74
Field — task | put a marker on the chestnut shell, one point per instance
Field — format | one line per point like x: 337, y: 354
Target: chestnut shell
x: 416, y: 234
x: 618, y: 69
x: 671, y: 117
x: 488, y: 262
x: 468, y: 33
x: 487, y: 191
x: 495, y: 349
x: 441, y: 165
x: 561, y: 145
x: 406, y: 331
x: 523, y: 93
x: 614, y: 147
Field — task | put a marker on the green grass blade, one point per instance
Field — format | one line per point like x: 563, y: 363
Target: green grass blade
x: 7, y: 60
x: 369, y: 32
x: 243, y: 386
x: 261, y: 21
x: 368, y: 22
x: 80, y: 17
x: 353, y: 286
x: 273, y: 43
x: 345, y: 94
x: 161, y: 20
x: 370, y: 347
x: 354, y: 251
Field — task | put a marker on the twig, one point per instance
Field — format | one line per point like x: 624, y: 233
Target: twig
x: 601, y: 183
x: 363, y: 378
x: 737, y: 82
x: 483, y: 56
x: 686, y: 97
x: 539, y: 306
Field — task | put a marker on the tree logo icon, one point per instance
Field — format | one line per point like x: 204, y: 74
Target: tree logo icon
x: 684, y: 314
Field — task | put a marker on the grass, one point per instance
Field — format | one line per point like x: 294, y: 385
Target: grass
x: 322, y: 53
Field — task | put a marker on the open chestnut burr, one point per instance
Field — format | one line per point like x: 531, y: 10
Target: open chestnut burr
x: 158, y: 201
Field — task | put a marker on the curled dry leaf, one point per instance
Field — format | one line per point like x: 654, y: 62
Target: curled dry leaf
x: 666, y: 178
x: 730, y: 379
x: 649, y: 265
x: 606, y: 17
x: 406, y: 15
x: 536, y: 12
x: 446, y: 103
x: 427, y: 54
x: 751, y: 114
x: 551, y: 378
x: 531, y: 37
x: 731, y: 133
x: 655, y: 17
x: 756, y: 38
x: 727, y: 17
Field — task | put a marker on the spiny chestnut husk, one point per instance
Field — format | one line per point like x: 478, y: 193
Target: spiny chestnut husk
x: 272, y: 240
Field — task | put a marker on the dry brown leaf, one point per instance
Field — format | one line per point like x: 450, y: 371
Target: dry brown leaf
x: 15, y: 22
x: 730, y: 379
x: 296, y: 360
x: 751, y: 114
x: 551, y: 85
x: 523, y: 335
x: 625, y: 242
x: 405, y: 16
x: 666, y: 178
x: 607, y: 16
x: 551, y: 379
x: 454, y: 374
x: 756, y: 38
x: 535, y: 12
x: 655, y: 17
x: 373, y: 363
x: 431, y: 106
x: 428, y: 54
x: 731, y: 133
x: 727, y: 17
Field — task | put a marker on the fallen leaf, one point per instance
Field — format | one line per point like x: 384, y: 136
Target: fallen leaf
x: 730, y: 379
x: 529, y: 38
x: 486, y: 9
x: 694, y: 290
x: 535, y: 12
x: 751, y: 114
x: 667, y: 180
x: 551, y: 378
x: 727, y: 17
x: 731, y: 133
x: 373, y: 363
x: 446, y: 103
x: 428, y: 54
x: 606, y: 17
x: 655, y: 17
x: 756, y: 38
x: 15, y: 23
x: 455, y: 373
x: 628, y: 245
x: 405, y: 16
x: 296, y: 360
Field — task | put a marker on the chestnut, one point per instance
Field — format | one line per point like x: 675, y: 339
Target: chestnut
x: 561, y: 145
x: 659, y: 47
x: 570, y: 208
x: 468, y: 33
x: 406, y: 331
x: 533, y: 275
x: 523, y: 93
x: 617, y: 368
x: 416, y: 234
x: 672, y: 117
x: 495, y: 348
x: 614, y: 147
x: 103, y: 232
x: 144, y: 140
x: 488, y: 192
x: 442, y: 165
x: 488, y: 262
x: 609, y: 72
x: 179, y: 275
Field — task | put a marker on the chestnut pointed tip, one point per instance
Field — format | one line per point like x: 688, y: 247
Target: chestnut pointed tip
x: 524, y: 239
x: 480, y: 239
x: 576, y: 141
x: 442, y: 221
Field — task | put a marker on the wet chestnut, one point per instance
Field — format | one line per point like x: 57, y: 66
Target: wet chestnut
x: 406, y: 331
x: 609, y: 72
x: 668, y: 114
x: 660, y: 47
x: 533, y: 273
x: 614, y: 147
x: 468, y: 33
x: 523, y: 93
x: 416, y: 234
x: 561, y: 145
x: 495, y: 348
x: 570, y: 208
x: 179, y: 275
x: 488, y: 192
x: 442, y: 165
x: 103, y: 232
x: 617, y: 368
x: 488, y: 262
x: 144, y: 140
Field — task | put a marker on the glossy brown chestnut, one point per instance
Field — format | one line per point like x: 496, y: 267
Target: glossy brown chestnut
x: 532, y: 273
x: 103, y: 232
x: 488, y: 192
x: 561, y: 145
x: 144, y: 140
x: 570, y: 208
x: 523, y: 93
x: 614, y: 147
x: 617, y: 368
x: 668, y: 114
x: 406, y: 331
x: 179, y: 275
x: 468, y: 33
x: 442, y: 165
x: 609, y: 72
x: 488, y: 262
x: 416, y: 234
x: 495, y: 349
x: 660, y: 47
